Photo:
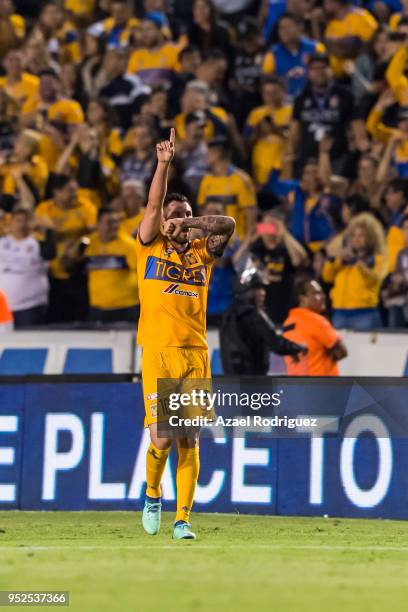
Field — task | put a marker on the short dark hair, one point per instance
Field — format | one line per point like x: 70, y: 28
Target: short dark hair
x: 290, y: 16
x: 222, y: 143
x: 301, y: 288
x: 271, y: 79
x: 19, y: 209
x: 175, y: 197
x: 399, y: 184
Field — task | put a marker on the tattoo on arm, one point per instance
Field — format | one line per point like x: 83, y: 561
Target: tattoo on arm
x: 218, y: 228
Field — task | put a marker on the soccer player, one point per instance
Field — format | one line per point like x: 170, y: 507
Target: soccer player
x: 173, y: 277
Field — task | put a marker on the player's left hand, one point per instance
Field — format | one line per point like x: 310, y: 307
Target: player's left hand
x: 173, y: 227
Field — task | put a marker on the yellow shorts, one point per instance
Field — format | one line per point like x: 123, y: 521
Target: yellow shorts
x: 183, y: 366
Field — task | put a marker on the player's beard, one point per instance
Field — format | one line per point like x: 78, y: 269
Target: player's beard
x: 181, y: 239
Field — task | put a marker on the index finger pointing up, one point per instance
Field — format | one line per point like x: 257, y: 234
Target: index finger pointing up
x: 172, y: 135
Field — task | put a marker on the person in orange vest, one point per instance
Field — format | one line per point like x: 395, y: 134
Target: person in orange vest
x: 311, y: 328
x: 6, y: 316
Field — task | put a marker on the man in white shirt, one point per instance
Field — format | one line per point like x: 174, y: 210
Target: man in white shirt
x: 24, y: 268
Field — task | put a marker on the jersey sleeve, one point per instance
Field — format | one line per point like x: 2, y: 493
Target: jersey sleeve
x: 325, y: 333
x: 269, y: 64
x: 200, y: 245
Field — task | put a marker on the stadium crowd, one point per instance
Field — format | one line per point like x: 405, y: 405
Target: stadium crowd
x: 291, y: 116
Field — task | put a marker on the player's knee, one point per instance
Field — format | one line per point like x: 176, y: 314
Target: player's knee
x: 188, y: 442
x: 160, y: 443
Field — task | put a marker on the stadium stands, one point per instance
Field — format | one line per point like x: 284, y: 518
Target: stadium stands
x: 295, y: 124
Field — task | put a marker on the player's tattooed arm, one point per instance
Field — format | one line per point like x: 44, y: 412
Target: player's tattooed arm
x: 150, y: 225
x: 218, y: 228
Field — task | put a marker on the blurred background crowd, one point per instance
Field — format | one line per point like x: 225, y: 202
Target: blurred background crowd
x: 291, y: 116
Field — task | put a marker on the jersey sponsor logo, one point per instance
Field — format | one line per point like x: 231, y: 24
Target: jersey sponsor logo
x: 174, y: 290
x: 160, y: 269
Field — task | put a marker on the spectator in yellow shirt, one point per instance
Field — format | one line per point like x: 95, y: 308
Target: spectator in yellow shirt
x: 60, y: 34
x: 133, y: 199
x: 157, y: 61
x: 196, y: 99
x: 73, y: 217
x: 35, y: 108
x: 229, y: 185
x: 17, y: 84
x: 12, y: 27
x: 266, y: 128
x: 25, y: 165
x: 110, y: 259
x: 56, y: 117
x: 396, y: 18
x: 81, y: 10
x: 95, y: 170
x: 356, y: 271
x: 118, y: 28
x: 348, y: 30
x: 100, y: 116
x: 396, y: 73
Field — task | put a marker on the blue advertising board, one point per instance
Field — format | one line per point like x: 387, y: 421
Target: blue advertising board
x: 81, y: 446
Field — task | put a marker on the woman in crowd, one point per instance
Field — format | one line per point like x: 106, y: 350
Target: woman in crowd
x: 356, y: 271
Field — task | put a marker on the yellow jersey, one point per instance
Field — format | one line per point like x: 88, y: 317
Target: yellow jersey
x: 173, y: 290
x: 112, y: 278
x: 65, y: 112
x: 69, y: 43
x: 130, y: 225
x: 115, y: 36
x: 358, y: 23
x: 36, y: 169
x: 396, y: 77
x: 18, y: 25
x: 267, y: 151
x: 12, y: 27
x: 70, y: 224
x: 25, y: 88
x: 394, y: 21
x: 352, y: 289
x: 395, y: 244
x: 235, y: 190
x: 80, y: 8
x: 209, y: 130
x: 155, y: 65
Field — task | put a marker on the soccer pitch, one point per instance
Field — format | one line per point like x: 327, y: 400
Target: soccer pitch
x: 238, y: 563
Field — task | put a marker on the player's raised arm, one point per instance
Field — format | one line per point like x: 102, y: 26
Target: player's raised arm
x: 218, y: 228
x: 150, y: 226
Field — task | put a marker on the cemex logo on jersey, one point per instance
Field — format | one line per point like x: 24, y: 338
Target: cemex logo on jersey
x: 174, y: 289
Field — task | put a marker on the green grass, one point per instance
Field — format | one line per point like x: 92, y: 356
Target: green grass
x: 238, y: 563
